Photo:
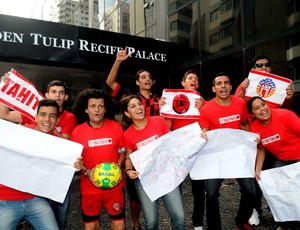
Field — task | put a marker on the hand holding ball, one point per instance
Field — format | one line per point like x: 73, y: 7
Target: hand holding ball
x: 107, y: 175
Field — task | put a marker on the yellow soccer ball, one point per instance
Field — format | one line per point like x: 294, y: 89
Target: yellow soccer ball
x: 107, y: 175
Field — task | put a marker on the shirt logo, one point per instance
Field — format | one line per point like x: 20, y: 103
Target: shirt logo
x: 229, y: 119
x: 270, y: 139
x: 100, y: 142
x: 146, y: 142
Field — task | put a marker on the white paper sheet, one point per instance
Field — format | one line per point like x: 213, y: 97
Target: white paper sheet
x: 166, y: 162
x: 228, y: 153
x: 281, y: 188
x: 35, y: 162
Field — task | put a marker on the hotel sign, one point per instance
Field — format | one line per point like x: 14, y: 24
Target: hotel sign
x: 48, y: 41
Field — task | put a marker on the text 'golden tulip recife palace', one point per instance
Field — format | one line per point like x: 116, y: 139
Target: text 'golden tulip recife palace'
x: 168, y: 37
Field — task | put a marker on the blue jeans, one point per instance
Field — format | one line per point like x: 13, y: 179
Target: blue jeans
x: 173, y: 204
x: 36, y: 211
x: 247, y: 186
x: 61, y: 210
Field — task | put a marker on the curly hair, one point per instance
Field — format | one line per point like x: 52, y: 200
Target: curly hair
x: 81, y: 104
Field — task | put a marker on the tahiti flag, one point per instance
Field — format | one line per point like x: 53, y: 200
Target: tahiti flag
x: 19, y: 94
x: 270, y: 87
x: 180, y: 104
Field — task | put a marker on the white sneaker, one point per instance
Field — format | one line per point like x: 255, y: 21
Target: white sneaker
x: 254, y: 220
x: 198, y: 228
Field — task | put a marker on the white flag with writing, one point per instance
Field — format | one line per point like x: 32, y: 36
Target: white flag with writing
x: 20, y: 94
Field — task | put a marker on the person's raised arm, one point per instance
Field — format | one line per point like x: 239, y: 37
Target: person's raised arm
x: 287, y: 104
x: 5, y: 113
x: 241, y: 90
x: 122, y: 55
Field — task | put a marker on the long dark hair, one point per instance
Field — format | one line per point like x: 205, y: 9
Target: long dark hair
x: 126, y: 121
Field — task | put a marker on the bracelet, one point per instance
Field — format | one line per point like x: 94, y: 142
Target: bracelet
x: 127, y: 170
x: 84, y: 172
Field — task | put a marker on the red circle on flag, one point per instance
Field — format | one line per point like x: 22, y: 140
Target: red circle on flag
x: 181, y: 103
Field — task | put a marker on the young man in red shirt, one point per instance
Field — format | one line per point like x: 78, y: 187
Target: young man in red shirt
x: 17, y: 205
x: 101, y: 137
x: 226, y: 111
x: 57, y: 91
x: 190, y: 81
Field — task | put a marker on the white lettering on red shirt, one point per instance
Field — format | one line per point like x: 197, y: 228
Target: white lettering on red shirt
x: 100, y: 142
x: 270, y: 139
x: 229, y: 119
x: 146, y: 142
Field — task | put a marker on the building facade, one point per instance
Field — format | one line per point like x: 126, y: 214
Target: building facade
x: 226, y: 34
x: 216, y: 35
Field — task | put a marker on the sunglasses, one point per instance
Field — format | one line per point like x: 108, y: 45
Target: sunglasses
x: 260, y: 65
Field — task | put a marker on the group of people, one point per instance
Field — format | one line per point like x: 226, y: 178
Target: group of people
x: 105, y: 140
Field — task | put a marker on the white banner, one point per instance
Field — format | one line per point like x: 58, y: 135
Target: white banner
x: 228, y: 153
x: 270, y: 87
x: 19, y: 94
x: 180, y: 104
x: 281, y: 188
x: 165, y: 163
x: 35, y: 162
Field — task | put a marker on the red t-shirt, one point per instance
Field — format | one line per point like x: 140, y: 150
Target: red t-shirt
x: 7, y: 193
x: 281, y: 136
x: 99, y: 145
x: 135, y: 139
x: 214, y: 116
x: 67, y: 122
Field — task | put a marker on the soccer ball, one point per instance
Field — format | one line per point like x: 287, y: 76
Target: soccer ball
x: 107, y: 175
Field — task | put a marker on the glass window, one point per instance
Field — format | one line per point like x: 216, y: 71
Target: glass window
x: 176, y: 4
x: 183, y: 25
x: 270, y: 19
x: 224, y: 7
x: 214, y: 39
x: 214, y: 15
x: 220, y: 28
x: 226, y: 32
